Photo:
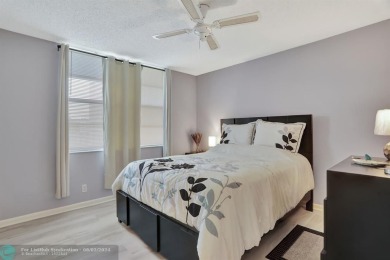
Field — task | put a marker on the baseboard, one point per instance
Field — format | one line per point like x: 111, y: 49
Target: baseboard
x: 55, y: 211
x: 318, y: 207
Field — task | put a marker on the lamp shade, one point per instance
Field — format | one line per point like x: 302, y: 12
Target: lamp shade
x: 212, y: 141
x: 382, y: 122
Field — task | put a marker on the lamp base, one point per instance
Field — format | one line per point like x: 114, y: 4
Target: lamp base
x: 386, y: 151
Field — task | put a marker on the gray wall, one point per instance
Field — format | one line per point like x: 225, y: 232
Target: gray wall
x: 342, y: 81
x: 28, y: 79
x: 28, y: 97
x: 183, y: 112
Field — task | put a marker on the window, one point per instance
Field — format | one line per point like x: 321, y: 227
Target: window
x: 85, y: 102
x: 152, y: 107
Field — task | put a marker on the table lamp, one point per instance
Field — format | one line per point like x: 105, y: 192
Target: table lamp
x: 212, y: 141
x: 382, y: 127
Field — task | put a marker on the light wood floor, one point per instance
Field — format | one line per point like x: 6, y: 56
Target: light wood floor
x: 98, y: 225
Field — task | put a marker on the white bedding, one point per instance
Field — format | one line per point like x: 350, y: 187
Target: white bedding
x: 248, y: 188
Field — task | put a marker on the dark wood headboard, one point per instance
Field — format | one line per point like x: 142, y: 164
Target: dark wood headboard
x: 306, y: 148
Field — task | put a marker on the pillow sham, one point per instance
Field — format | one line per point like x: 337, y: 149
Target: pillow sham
x: 237, y: 134
x: 279, y: 135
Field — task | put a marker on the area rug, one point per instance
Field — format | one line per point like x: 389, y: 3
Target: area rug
x: 301, y: 243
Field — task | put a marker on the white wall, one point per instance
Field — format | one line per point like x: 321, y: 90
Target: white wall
x: 183, y: 112
x: 342, y: 81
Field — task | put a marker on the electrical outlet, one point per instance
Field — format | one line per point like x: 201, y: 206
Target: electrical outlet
x: 84, y: 188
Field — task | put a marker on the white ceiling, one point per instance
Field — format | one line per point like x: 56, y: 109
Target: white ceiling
x: 124, y: 28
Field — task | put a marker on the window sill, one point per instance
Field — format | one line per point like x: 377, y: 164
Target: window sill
x: 86, y: 151
x: 101, y: 150
x: 151, y: 146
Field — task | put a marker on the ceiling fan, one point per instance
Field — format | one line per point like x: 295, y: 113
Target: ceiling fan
x: 197, y: 11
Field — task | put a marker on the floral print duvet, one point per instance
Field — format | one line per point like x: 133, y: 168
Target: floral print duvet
x: 232, y: 194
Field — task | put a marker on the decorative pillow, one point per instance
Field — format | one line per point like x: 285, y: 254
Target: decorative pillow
x: 237, y: 134
x: 279, y: 135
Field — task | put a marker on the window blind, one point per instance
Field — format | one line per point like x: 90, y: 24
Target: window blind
x: 152, y: 107
x: 85, y: 102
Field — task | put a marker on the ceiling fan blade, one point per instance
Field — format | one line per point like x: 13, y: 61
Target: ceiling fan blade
x: 246, y: 18
x: 192, y: 7
x: 170, y: 34
x: 212, y: 42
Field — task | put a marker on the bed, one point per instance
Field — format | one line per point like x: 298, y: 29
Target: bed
x: 212, y: 205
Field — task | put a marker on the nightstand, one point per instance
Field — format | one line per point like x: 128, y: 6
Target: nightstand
x: 356, y: 213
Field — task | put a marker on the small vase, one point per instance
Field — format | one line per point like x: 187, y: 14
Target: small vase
x: 197, y: 150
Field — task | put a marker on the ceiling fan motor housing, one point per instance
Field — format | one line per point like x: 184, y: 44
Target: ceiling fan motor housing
x: 202, y: 30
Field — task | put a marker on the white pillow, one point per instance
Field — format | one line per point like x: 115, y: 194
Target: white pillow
x: 237, y: 134
x: 279, y: 135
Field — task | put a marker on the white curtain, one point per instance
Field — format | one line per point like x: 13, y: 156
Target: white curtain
x: 167, y: 113
x: 62, y: 152
x: 122, y: 103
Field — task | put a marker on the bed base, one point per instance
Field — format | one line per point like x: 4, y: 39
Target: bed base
x: 309, y: 203
x: 161, y: 233
x: 173, y: 239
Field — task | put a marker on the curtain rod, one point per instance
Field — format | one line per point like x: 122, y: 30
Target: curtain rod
x: 105, y: 57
